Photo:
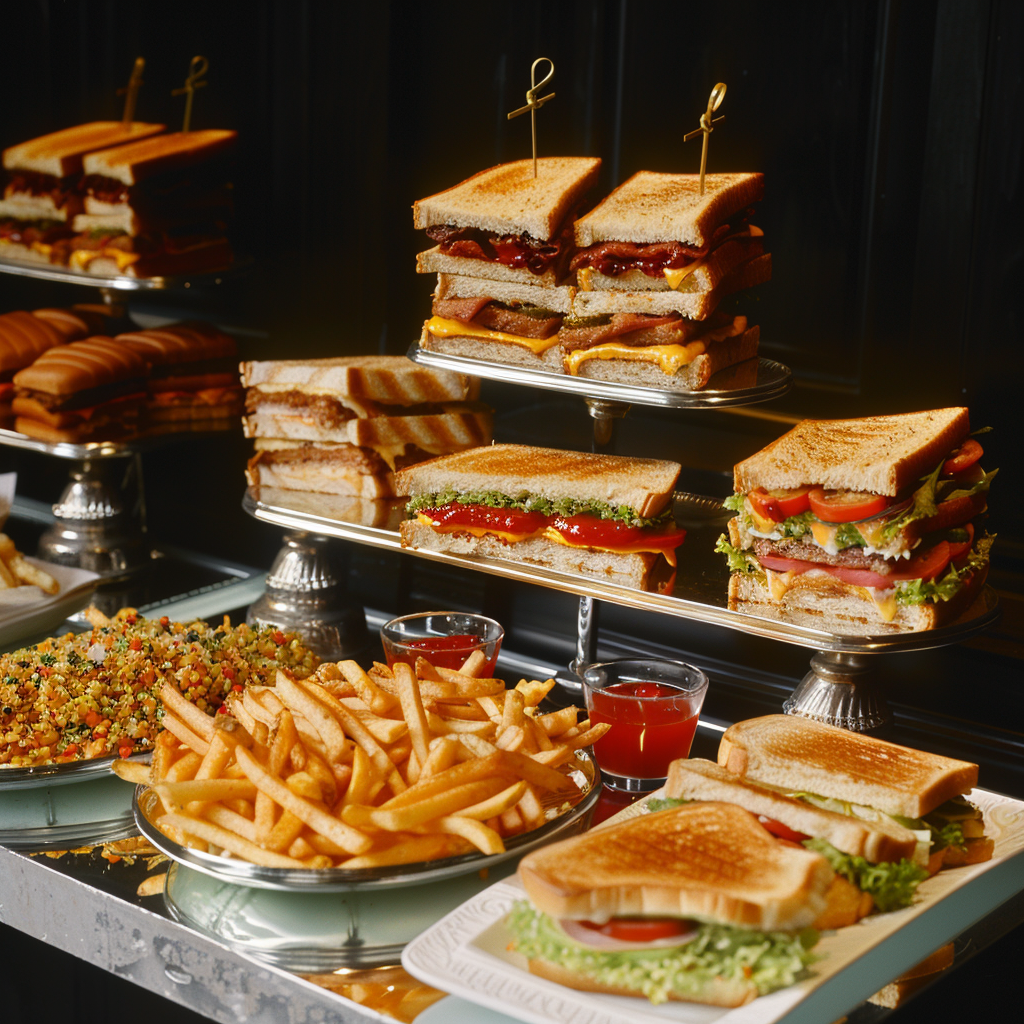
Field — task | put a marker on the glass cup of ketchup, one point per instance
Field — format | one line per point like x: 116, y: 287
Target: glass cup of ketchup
x: 445, y: 639
x: 652, y: 706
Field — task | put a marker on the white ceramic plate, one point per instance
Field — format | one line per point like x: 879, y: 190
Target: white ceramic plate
x: 26, y: 612
x: 465, y: 953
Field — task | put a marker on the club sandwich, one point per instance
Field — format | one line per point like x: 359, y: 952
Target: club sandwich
x: 600, y: 515
x: 504, y: 243
x: 42, y: 193
x: 861, y: 526
x: 697, y: 903
x: 865, y: 778
x: 874, y: 860
x: 345, y: 425
x: 655, y: 260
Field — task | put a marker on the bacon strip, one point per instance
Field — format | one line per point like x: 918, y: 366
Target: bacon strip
x: 629, y: 328
x: 460, y: 309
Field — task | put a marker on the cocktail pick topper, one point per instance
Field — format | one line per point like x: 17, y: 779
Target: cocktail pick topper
x: 706, y: 122
x: 533, y: 104
x: 131, y: 93
x: 197, y: 67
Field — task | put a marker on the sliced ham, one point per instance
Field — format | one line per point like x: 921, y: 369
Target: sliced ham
x: 513, y: 321
x: 460, y: 309
x: 636, y: 329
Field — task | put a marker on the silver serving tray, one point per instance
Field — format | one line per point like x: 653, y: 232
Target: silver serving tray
x: 240, y: 872
x: 728, y: 387
x: 698, y: 591
x: 102, y: 449
x: 51, y: 272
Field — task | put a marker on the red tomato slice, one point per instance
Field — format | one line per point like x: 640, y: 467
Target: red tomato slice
x: 792, y: 501
x: 845, y: 506
x: 641, y: 929
x: 961, y: 547
x: 963, y: 457
x: 925, y: 566
x: 610, y: 533
x: 765, y: 505
x: 506, y: 520
x: 782, y: 831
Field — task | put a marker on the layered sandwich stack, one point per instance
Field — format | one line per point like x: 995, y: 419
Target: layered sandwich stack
x: 600, y: 515
x: 861, y: 526
x: 504, y: 245
x: 43, y: 192
x: 343, y: 426
x: 656, y: 258
x: 193, y: 381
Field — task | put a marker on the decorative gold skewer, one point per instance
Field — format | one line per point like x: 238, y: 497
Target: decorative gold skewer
x: 197, y: 67
x: 533, y: 104
x: 131, y: 94
x: 706, y: 122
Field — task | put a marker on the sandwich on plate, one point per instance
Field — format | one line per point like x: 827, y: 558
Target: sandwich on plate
x: 155, y: 207
x: 697, y: 903
x: 655, y: 260
x: 42, y: 194
x: 877, y: 861
x: 193, y: 381
x: 861, y: 526
x: 345, y: 425
x: 867, y: 779
x: 91, y: 390
x: 504, y: 244
x: 600, y: 515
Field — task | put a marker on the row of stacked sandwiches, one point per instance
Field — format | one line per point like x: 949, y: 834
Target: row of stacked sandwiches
x: 107, y: 198
x: 717, y: 896
x: 62, y: 381
x: 630, y: 291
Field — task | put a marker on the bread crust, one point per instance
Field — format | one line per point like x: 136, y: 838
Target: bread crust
x: 880, y: 454
x: 494, y: 351
x: 799, y: 753
x: 433, y: 261
x: 68, y: 369
x: 463, y: 286
x: 138, y: 160
x: 24, y: 337
x: 60, y: 153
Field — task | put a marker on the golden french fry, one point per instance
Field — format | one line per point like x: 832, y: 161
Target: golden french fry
x: 541, y: 740
x: 465, y: 712
x: 182, y: 793
x: 212, y: 833
x: 232, y: 821
x: 346, y: 837
x: 184, y: 768
x: 363, y: 777
x: 327, y: 785
x: 131, y: 771
x: 303, y: 784
x: 534, y: 691
x: 449, y: 726
x: 589, y: 736
x: 531, y: 809
x: 485, y: 839
x: 425, y: 671
x: 443, y: 754
x: 256, y: 710
x: 476, y: 746
x: 379, y: 701
x: 286, y: 830
x: 301, y: 849
x: 239, y: 711
x: 559, y: 754
x: 402, y: 819
x: 511, y: 738
x: 511, y: 711
x: 496, y: 805
x: 557, y: 722
x: 406, y: 851
x: 26, y: 572
x: 512, y: 821
x: 298, y: 698
x: 7, y: 577
x: 474, y: 664
x: 412, y: 710
x: 196, y: 720
x: 525, y: 767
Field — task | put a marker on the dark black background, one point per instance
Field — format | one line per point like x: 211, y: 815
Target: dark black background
x: 889, y: 131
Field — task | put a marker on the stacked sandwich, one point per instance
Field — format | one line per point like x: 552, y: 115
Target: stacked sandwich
x: 600, y: 515
x: 43, y: 193
x: 193, y: 383
x: 861, y: 526
x: 105, y: 200
x: 656, y: 258
x: 696, y: 903
x: 343, y: 426
x: 504, y: 245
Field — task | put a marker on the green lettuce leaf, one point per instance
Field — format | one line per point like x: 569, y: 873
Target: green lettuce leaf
x: 891, y: 885
x: 923, y: 505
x: 739, y: 561
x: 735, y: 502
x: 665, y: 803
x: 918, y: 591
x: 848, y: 536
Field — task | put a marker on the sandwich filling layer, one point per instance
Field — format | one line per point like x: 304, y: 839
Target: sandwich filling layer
x: 518, y: 252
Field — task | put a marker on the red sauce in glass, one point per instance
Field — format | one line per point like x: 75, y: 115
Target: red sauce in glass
x: 645, y: 736
x: 444, y: 651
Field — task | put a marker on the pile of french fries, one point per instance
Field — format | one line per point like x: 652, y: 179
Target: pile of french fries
x: 355, y: 769
x: 16, y: 570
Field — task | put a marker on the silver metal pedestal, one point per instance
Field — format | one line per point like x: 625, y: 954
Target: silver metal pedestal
x: 306, y: 594
x: 838, y: 691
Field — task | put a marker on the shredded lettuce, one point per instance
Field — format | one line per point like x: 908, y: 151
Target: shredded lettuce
x: 739, y: 561
x: 769, y: 960
x: 891, y: 885
x: 796, y: 526
x: 919, y: 591
x: 527, y: 502
x: 665, y: 803
x: 848, y: 536
x: 735, y: 502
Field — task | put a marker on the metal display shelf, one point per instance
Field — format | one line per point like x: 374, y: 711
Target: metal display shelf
x: 122, y: 282
x: 836, y: 690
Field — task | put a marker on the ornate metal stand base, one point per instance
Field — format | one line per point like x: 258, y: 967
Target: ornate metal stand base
x: 604, y: 414
x: 93, y: 530
x: 837, y: 691
x: 304, y: 593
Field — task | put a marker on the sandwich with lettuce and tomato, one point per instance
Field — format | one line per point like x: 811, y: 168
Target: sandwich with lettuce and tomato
x: 861, y: 526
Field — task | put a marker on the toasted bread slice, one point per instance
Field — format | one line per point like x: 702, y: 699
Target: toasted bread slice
x: 880, y: 454
x: 23, y: 338
x: 60, y: 153
x: 493, y: 347
x: 433, y: 261
x: 800, y: 754
x: 390, y: 380
x: 697, y: 779
x: 656, y: 207
x: 643, y: 484
x: 137, y: 161
x: 711, y: 861
x: 92, y: 363
x: 509, y: 200
x: 187, y: 342
x: 462, y: 286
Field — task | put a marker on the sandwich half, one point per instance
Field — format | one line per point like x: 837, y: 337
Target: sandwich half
x: 655, y: 260
x: 861, y: 526
x: 865, y: 778
x: 874, y: 860
x: 600, y: 515
x: 697, y: 903
x: 504, y: 244
x: 344, y: 426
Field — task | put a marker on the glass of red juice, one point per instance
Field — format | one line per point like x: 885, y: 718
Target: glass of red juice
x: 445, y: 639
x: 652, y: 705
